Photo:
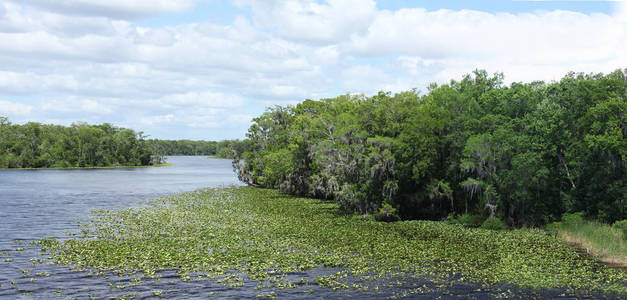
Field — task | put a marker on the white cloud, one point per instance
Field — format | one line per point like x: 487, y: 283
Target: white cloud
x: 87, y: 60
x: 360, y: 79
x: 284, y: 90
x: 11, y: 20
x: 72, y: 105
x: 415, y: 65
x: 156, y: 120
x: 621, y: 10
x: 547, y: 36
x: 557, y: 41
x: 95, y: 107
x: 195, y: 100
x: 241, y: 119
x: 311, y: 21
x: 324, y: 56
x: 116, y: 9
x: 13, y: 108
x: 15, y: 82
x: 162, y: 37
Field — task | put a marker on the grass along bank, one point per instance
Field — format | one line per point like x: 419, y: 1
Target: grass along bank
x: 231, y: 233
x: 606, y: 243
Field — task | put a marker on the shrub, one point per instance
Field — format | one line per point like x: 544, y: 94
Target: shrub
x: 494, y: 224
x: 554, y: 227
x: 387, y: 213
x: 622, y: 225
x: 466, y: 219
x: 574, y: 218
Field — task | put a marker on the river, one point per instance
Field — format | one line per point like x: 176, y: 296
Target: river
x: 36, y: 204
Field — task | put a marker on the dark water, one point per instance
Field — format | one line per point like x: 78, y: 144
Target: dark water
x: 37, y: 204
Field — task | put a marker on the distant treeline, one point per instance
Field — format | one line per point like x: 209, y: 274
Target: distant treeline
x: 35, y: 145
x: 182, y: 147
x: 222, y: 149
x: 523, y: 154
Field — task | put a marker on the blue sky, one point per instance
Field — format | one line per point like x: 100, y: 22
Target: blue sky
x: 224, y: 11
x: 202, y: 69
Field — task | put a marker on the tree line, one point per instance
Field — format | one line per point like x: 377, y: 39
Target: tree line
x: 222, y: 149
x: 182, y: 147
x: 523, y: 153
x: 36, y: 145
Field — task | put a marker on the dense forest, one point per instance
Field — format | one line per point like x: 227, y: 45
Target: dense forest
x: 35, y: 145
x: 222, y: 149
x: 232, y: 148
x: 523, y: 154
x: 182, y: 147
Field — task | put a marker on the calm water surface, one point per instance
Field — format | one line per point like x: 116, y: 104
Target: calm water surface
x: 36, y: 204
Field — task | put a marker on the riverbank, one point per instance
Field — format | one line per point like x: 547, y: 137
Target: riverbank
x: 88, y: 168
x: 238, y: 235
x: 603, y: 242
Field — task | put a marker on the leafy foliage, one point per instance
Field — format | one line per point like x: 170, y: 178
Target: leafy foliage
x: 524, y: 153
x: 223, y: 149
x: 236, y: 233
x: 622, y: 225
x: 182, y: 147
x: 35, y: 145
x: 493, y: 224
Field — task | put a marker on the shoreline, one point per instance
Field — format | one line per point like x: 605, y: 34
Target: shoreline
x: 590, y: 251
x: 89, y: 168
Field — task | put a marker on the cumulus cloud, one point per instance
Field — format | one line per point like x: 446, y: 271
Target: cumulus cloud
x: 159, y: 119
x: 87, y: 60
x: 200, y: 100
x: 314, y: 22
x: 456, y: 42
x: 95, y: 107
x: 415, y: 65
x: 621, y: 10
x: 359, y: 79
x: 14, y: 109
x: 543, y: 37
x: 72, y: 106
x: 329, y: 55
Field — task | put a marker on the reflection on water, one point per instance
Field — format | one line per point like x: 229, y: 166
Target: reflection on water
x: 36, y: 204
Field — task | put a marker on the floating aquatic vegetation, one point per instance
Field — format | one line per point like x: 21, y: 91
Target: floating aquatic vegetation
x: 240, y: 235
